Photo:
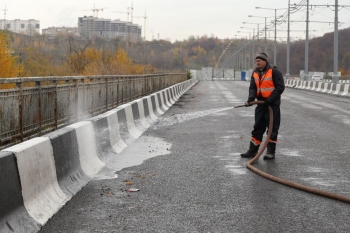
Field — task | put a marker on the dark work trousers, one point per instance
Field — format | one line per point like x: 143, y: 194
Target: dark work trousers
x: 262, y: 122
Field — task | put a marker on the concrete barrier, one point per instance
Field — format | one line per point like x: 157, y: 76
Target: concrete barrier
x: 42, y: 196
x: 70, y: 175
x: 13, y: 215
x: 340, y: 89
x: 40, y: 175
x: 88, y: 155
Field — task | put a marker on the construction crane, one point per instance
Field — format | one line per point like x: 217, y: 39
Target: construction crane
x: 144, y: 24
x: 129, y: 11
x: 127, y: 20
x: 4, y: 10
x: 95, y: 10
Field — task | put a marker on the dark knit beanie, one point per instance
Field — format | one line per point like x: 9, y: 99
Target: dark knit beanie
x: 261, y: 56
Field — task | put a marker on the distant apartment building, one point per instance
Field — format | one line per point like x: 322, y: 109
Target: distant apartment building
x: 54, y: 31
x: 27, y: 27
x: 89, y: 26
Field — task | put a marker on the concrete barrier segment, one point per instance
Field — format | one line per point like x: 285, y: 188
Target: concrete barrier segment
x: 131, y: 122
x: 325, y: 88
x: 115, y: 137
x: 70, y: 175
x: 155, y: 105
x: 13, y: 215
x: 89, y: 160
x: 148, y: 109
x: 137, y: 115
x: 300, y: 84
x: 125, y: 134
x: 346, y: 90
x: 176, y: 92
x: 172, y: 94
x: 169, y: 97
x: 312, y: 86
x: 320, y: 86
x: 142, y: 108
x: 166, y: 103
x: 42, y: 196
x: 337, y: 89
x: 161, y: 104
x: 152, y: 115
x: 102, y: 136
x: 164, y: 95
x: 331, y: 88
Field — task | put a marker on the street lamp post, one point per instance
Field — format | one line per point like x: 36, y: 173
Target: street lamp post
x: 288, y: 42
x: 306, y: 71
x: 245, y: 50
x: 265, y: 29
x: 275, y: 44
x: 335, y: 77
x: 252, y: 45
x: 252, y: 28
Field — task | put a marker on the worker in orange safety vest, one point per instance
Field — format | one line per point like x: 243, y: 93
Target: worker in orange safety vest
x: 266, y: 85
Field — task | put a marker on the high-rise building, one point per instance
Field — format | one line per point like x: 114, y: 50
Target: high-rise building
x: 28, y: 27
x: 89, y: 26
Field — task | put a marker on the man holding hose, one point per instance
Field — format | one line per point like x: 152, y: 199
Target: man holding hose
x: 266, y: 85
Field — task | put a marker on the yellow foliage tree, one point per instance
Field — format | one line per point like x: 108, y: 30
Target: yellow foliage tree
x: 38, y: 64
x: 9, y: 66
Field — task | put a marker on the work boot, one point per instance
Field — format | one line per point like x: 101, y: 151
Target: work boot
x: 252, y: 151
x: 271, y: 149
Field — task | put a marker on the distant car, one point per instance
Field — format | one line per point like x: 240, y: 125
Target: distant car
x: 316, y: 77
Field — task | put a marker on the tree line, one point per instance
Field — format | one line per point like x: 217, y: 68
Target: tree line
x: 40, y: 55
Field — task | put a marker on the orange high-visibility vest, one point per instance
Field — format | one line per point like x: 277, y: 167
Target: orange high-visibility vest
x: 264, y: 86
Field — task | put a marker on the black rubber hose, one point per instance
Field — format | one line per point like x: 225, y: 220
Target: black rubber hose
x: 282, y: 181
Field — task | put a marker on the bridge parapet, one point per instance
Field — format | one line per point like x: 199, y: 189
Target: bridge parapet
x: 34, y: 106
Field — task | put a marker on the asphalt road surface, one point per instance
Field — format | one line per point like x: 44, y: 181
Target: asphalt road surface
x: 191, y: 178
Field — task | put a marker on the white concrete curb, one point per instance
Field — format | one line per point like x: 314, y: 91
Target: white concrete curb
x: 339, y: 89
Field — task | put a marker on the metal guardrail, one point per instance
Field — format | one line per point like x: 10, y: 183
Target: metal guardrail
x: 38, y: 105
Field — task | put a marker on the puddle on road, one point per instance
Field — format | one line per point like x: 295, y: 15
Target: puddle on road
x: 231, y: 137
x: 233, y: 163
x: 318, y: 181
x: 179, y: 118
x: 238, y: 171
x: 343, y: 118
x: 290, y: 152
x: 315, y: 169
x: 311, y: 106
x: 144, y: 148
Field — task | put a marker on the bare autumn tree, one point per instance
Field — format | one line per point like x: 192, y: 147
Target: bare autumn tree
x: 76, y: 57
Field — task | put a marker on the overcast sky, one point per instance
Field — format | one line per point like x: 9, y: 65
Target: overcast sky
x: 179, y: 19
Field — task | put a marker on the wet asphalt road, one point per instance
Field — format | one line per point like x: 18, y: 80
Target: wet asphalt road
x: 195, y: 181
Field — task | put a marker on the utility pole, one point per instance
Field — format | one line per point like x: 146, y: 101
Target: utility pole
x: 265, y: 47
x: 275, y: 44
x: 335, y: 78
x: 306, y: 71
x: 253, y: 48
x: 288, y: 42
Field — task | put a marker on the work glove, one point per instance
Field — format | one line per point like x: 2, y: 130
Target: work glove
x: 250, y: 99
x: 267, y: 103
